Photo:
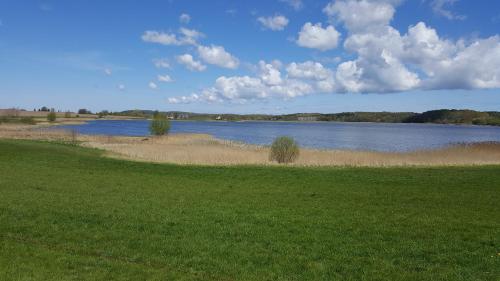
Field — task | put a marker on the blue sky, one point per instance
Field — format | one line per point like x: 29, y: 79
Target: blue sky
x: 273, y: 56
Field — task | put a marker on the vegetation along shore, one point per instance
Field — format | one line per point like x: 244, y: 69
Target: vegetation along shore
x: 207, y: 150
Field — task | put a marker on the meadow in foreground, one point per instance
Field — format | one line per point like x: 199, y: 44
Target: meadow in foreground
x: 67, y: 213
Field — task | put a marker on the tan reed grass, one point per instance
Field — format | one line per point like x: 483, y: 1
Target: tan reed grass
x: 207, y: 150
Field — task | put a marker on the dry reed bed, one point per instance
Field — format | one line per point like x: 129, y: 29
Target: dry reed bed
x: 207, y: 150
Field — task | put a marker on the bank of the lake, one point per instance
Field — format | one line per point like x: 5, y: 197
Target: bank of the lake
x: 381, y: 137
x: 205, y: 149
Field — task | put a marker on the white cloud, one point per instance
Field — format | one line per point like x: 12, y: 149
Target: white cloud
x: 383, y: 61
x: 475, y: 66
x: 375, y: 75
x: 191, y: 64
x: 295, y: 4
x: 184, y: 18
x: 361, y: 14
x: 317, y: 37
x: 160, y: 38
x: 309, y: 70
x: 187, y: 37
x: 153, y: 85
x: 390, y: 62
x: 108, y: 71
x: 314, y: 73
x: 165, y: 78
x: 277, y: 22
x: 269, y: 73
x: 269, y: 83
x: 190, y: 37
x: 121, y: 87
x: 161, y: 63
x: 441, y: 7
x: 217, y: 55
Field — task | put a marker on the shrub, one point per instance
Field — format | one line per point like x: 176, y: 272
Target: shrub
x: 284, y: 150
x: 160, y: 125
x: 51, y: 116
x: 67, y: 114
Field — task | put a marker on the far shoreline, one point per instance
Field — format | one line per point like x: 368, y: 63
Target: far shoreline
x: 203, y: 149
x: 288, y: 121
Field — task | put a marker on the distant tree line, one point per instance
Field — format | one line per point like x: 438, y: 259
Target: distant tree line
x: 442, y: 116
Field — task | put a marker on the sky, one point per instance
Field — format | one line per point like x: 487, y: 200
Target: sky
x: 263, y: 56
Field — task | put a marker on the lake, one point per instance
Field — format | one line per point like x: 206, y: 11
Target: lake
x: 323, y: 135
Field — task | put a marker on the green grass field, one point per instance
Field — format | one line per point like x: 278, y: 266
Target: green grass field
x: 67, y: 213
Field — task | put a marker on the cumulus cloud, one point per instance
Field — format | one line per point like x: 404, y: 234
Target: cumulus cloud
x: 383, y: 60
x: 309, y: 70
x: 474, y: 66
x: 317, y: 37
x: 108, y: 71
x: 217, y: 55
x: 275, y: 23
x: 268, y: 83
x: 442, y: 8
x: 270, y: 73
x: 160, y: 38
x: 390, y: 62
x: 184, y: 37
x: 190, y: 63
x: 153, y: 85
x: 121, y: 87
x: 184, y: 18
x: 361, y: 15
x: 165, y: 78
x: 295, y: 4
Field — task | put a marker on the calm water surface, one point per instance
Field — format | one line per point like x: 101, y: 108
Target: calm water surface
x: 325, y: 135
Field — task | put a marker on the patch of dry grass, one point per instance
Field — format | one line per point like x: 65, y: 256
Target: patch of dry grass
x: 207, y: 150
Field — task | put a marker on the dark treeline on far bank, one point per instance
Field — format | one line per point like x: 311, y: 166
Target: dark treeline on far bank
x: 442, y: 116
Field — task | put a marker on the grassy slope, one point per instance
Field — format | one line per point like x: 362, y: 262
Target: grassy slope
x: 68, y: 214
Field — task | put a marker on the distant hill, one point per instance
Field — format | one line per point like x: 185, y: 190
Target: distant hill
x: 447, y: 116
x: 442, y: 116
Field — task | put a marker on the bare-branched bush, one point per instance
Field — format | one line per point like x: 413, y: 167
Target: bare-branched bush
x: 284, y: 150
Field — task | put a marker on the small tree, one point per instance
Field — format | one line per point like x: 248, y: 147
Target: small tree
x: 51, y: 116
x: 160, y: 125
x: 284, y: 150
